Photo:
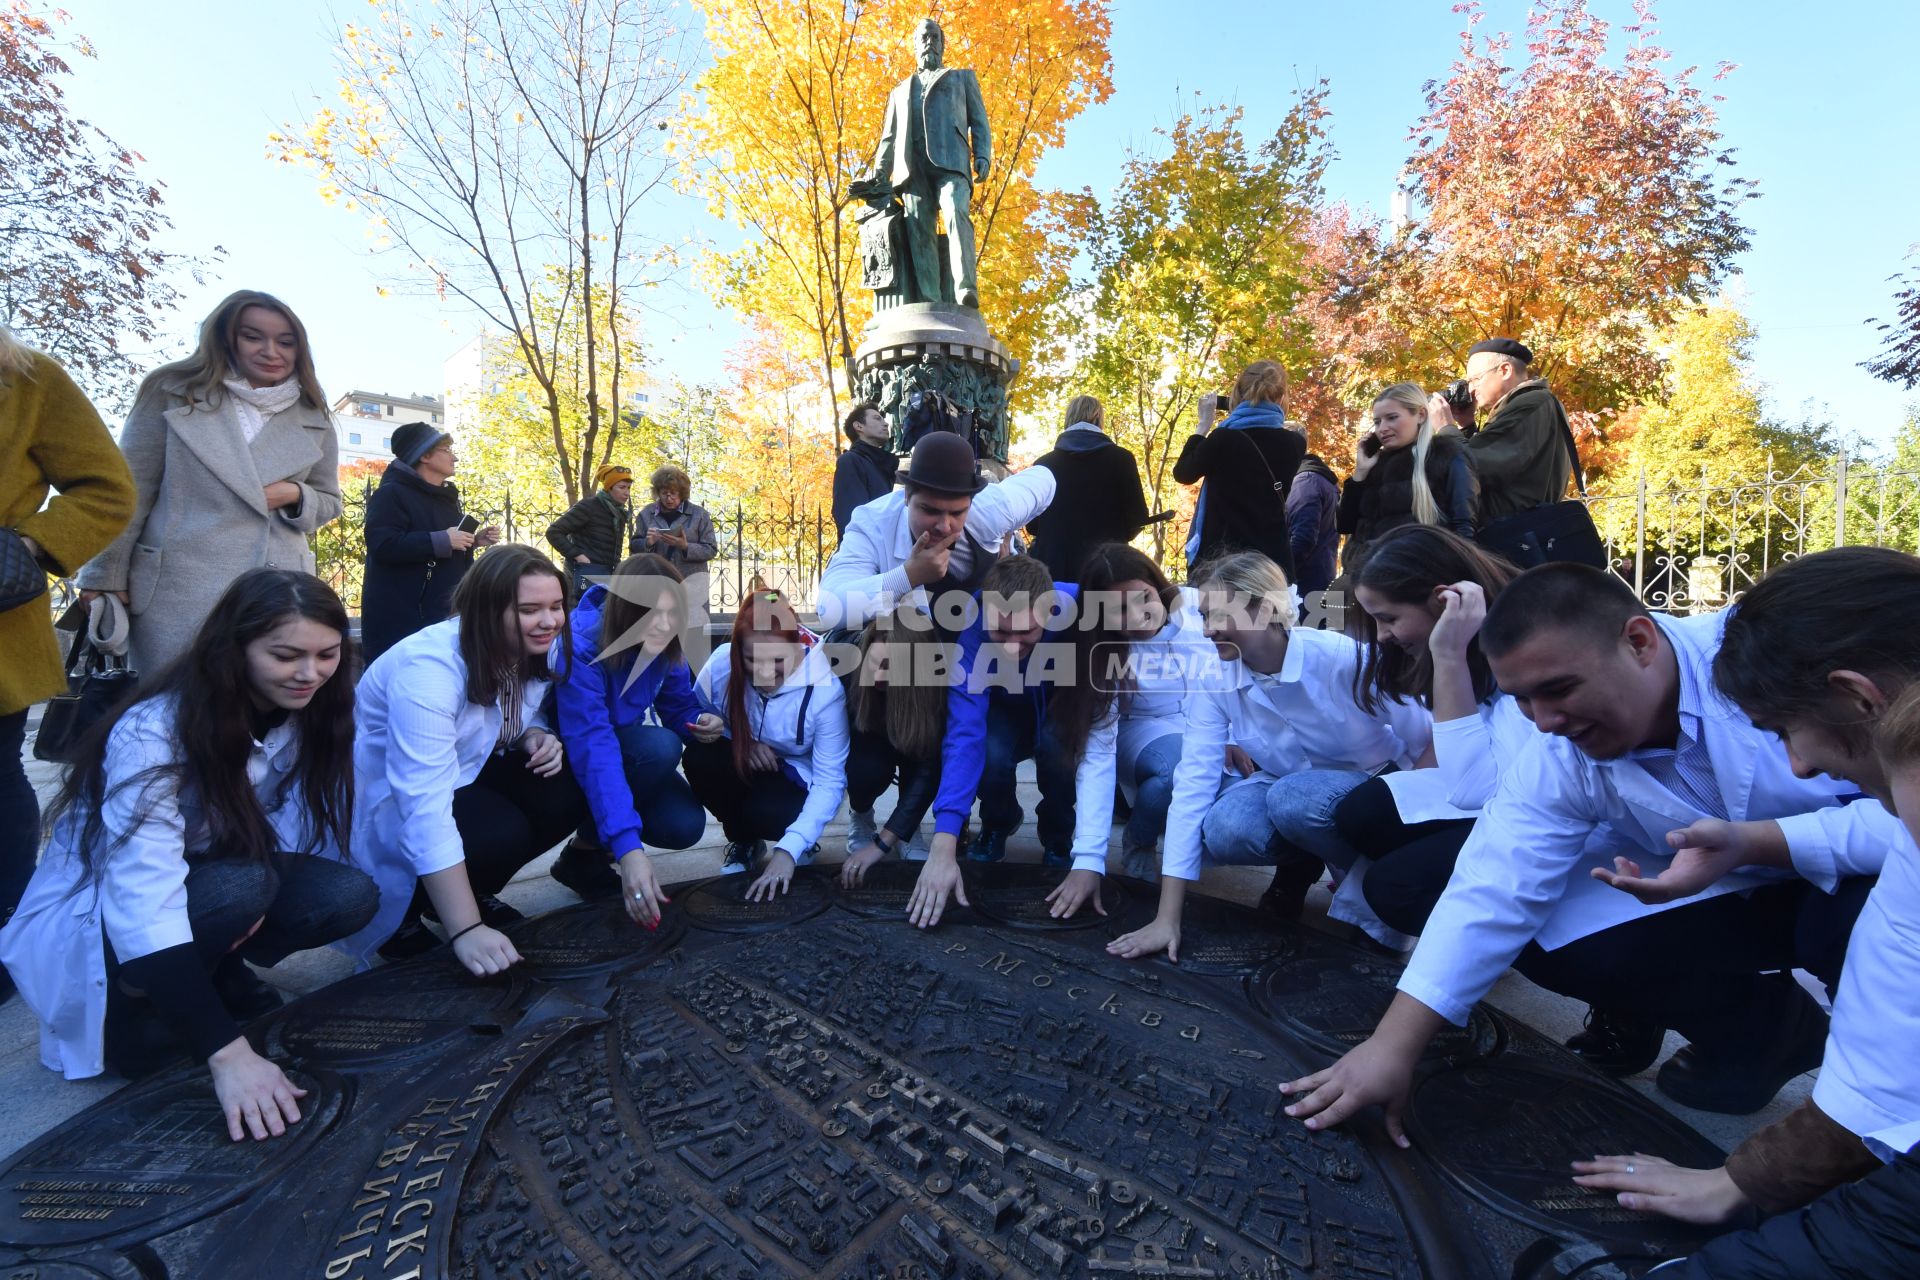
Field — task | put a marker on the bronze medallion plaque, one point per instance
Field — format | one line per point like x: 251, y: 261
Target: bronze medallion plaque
x: 814, y: 1087
x: 721, y: 905
x: 1015, y: 895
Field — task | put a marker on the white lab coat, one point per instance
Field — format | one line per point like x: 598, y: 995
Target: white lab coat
x: 1302, y: 717
x: 53, y: 946
x: 819, y: 757
x: 867, y: 575
x: 417, y: 740
x: 1523, y: 873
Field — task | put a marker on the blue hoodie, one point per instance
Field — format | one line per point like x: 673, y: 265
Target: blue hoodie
x: 594, y: 699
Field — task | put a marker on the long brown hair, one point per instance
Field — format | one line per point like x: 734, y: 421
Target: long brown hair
x: 1405, y: 565
x: 213, y: 735
x: 621, y: 615
x: 912, y: 713
x: 198, y: 378
x: 481, y: 602
x: 762, y: 613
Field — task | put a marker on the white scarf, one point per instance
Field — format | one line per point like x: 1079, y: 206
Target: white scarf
x: 254, y: 405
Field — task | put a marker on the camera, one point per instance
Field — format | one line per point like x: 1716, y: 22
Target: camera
x: 1459, y: 398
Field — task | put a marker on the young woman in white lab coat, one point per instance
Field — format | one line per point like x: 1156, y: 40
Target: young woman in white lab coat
x: 200, y: 830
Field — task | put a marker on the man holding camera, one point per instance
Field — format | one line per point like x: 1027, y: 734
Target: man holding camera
x: 1521, y: 450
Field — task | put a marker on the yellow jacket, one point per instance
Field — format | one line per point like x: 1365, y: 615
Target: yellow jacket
x: 50, y: 437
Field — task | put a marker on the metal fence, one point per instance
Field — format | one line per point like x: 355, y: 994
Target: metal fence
x: 1697, y: 547
x: 786, y: 553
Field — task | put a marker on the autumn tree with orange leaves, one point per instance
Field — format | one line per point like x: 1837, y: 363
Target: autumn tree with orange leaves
x: 1573, y: 192
x: 791, y: 114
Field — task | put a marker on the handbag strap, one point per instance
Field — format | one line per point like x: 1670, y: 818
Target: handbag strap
x: 1278, y: 488
x: 1573, y: 454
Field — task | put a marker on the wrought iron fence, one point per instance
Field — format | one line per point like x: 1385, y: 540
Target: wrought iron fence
x: 1697, y: 547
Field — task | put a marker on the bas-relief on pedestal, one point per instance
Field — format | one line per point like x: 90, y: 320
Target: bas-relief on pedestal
x: 813, y: 1087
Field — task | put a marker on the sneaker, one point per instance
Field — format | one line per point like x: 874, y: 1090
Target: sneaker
x: 915, y: 849
x: 1056, y: 858
x: 242, y: 992
x: 861, y: 831
x: 411, y: 939
x: 1141, y: 861
x: 496, y: 914
x: 988, y: 846
x: 1286, y: 897
x: 741, y: 855
x: 1618, y: 1044
x: 586, y: 869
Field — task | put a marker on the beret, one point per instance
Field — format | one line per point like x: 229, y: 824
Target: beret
x: 1503, y: 347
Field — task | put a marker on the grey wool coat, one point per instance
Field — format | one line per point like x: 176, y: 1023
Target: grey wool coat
x: 201, y: 519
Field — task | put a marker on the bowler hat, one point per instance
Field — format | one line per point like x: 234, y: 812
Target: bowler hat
x: 413, y: 441
x: 943, y: 461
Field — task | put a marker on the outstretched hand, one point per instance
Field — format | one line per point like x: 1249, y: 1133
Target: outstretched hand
x: 1371, y: 1072
x: 1707, y: 1197
x: 1703, y: 853
x: 939, y: 882
x: 1076, y: 891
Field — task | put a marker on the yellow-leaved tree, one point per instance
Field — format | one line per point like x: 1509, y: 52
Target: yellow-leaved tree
x: 790, y: 114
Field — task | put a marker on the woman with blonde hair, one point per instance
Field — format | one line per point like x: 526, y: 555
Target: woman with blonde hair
x: 1278, y: 708
x: 1247, y: 466
x: 1097, y: 495
x: 1406, y: 472
x: 234, y: 461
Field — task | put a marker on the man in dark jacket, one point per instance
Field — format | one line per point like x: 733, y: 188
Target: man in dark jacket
x: 417, y: 551
x: 866, y: 470
x: 593, y: 533
x: 1313, y: 509
x: 1096, y: 496
x: 1520, y: 452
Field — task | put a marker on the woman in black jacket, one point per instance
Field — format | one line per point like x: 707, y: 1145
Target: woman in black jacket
x: 1096, y: 497
x: 1247, y: 463
x: 417, y: 549
x: 1405, y: 472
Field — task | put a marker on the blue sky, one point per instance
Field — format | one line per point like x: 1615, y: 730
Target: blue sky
x: 1824, y: 126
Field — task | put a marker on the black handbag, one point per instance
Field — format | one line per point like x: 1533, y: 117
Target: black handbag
x: 96, y: 684
x: 22, y: 580
x: 1550, y: 533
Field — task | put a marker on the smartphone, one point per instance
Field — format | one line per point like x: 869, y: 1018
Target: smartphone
x: 1370, y: 443
x: 469, y: 525
x: 1223, y: 404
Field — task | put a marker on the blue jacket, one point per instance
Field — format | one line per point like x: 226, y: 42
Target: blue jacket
x: 964, y: 754
x: 594, y: 700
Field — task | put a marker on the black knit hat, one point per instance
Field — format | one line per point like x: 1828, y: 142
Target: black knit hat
x: 1503, y: 347
x: 943, y: 461
x: 413, y: 441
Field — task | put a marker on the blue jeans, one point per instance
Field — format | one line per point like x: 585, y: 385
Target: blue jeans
x: 1153, y: 790
x: 1301, y: 808
x: 670, y: 815
x: 1013, y: 735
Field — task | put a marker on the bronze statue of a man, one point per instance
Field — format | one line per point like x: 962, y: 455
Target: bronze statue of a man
x: 933, y: 147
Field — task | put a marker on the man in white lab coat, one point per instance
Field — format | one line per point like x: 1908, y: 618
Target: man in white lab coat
x: 1636, y: 747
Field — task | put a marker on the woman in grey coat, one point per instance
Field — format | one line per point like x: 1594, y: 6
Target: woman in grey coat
x: 234, y: 458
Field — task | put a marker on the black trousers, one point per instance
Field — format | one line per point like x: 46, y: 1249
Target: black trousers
x: 872, y: 765
x: 1411, y: 860
x: 510, y: 815
x: 760, y: 806
x: 19, y: 817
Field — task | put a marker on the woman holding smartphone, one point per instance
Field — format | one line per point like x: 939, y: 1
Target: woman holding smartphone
x: 419, y: 542
x: 1405, y: 472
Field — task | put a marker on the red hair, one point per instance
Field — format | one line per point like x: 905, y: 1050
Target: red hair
x: 766, y: 614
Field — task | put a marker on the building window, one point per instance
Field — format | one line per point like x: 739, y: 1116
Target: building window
x: 353, y: 437
x: 386, y: 442
x: 367, y: 408
x: 388, y: 410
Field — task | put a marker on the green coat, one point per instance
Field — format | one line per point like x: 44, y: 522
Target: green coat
x: 51, y: 438
x: 1520, y: 454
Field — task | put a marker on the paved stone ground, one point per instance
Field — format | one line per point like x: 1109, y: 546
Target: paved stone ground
x: 37, y: 1099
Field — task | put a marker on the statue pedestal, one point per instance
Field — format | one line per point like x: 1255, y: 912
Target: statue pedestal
x: 937, y: 346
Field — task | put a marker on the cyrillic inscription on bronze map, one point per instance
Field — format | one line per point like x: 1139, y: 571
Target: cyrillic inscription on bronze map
x: 146, y: 1160
x: 1015, y: 895
x: 395, y: 1011
x: 720, y: 904
x: 1333, y: 996
x: 1509, y: 1133
x: 791, y: 1091
x: 593, y: 939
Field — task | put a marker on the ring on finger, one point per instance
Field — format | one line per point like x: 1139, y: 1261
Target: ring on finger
x: 1630, y: 1168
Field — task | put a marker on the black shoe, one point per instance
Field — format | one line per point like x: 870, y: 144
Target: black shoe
x: 587, y: 871
x: 1618, y: 1044
x: 988, y: 846
x: 135, y: 1040
x: 411, y: 939
x: 496, y: 914
x: 1739, y: 1084
x: 242, y: 992
x: 1056, y: 858
x: 741, y: 856
x: 1286, y: 897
